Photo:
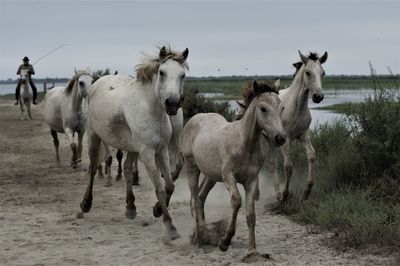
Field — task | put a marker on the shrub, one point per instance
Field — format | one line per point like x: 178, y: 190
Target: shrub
x: 196, y: 103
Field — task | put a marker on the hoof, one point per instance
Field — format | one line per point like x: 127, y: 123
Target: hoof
x: 157, y: 210
x: 307, y: 192
x: 86, y: 205
x: 130, y: 213
x: 170, y: 234
x: 108, y: 183
x: 222, y: 246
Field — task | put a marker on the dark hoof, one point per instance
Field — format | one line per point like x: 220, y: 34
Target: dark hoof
x: 157, y: 210
x: 86, y: 205
x: 135, y: 179
x: 307, y: 192
x: 222, y: 246
x: 130, y: 213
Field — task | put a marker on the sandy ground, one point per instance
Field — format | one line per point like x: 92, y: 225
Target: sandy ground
x: 39, y: 202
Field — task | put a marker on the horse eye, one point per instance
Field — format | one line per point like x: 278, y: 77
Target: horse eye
x: 263, y: 109
x: 323, y: 73
x: 81, y: 83
x: 183, y: 76
x: 162, y: 73
x: 308, y: 73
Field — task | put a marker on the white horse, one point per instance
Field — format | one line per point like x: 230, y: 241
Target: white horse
x: 132, y: 115
x: 25, y: 99
x: 63, y: 112
x: 231, y: 153
x: 296, y: 119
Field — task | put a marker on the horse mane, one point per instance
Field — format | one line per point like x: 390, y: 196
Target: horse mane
x: 71, y: 83
x: 146, y: 70
x: 248, y: 94
x: 267, y: 85
x: 313, y: 56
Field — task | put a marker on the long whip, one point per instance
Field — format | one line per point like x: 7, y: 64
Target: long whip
x: 52, y: 51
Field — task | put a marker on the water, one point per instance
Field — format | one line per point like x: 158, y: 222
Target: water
x: 10, y: 88
x: 331, y: 97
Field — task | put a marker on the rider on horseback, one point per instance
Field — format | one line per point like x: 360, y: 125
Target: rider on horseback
x: 31, y: 71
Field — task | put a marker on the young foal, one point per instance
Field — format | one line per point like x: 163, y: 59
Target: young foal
x: 231, y: 153
x: 296, y: 119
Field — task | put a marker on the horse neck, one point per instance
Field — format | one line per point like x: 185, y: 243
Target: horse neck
x: 152, y: 98
x: 251, y: 132
x: 75, y: 99
x: 298, y: 92
x: 25, y: 86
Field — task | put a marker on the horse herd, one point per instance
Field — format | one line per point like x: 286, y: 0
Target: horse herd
x: 143, y: 116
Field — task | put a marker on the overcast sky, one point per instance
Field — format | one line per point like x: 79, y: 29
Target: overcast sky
x: 262, y: 36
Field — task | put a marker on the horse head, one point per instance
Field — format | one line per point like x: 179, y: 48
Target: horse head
x: 267, y: 109
x: 312, y: 72
x: 169, y: 80
x: 83, y: 80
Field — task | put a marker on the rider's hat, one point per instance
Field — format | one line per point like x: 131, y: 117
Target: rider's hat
x: 25, y: 59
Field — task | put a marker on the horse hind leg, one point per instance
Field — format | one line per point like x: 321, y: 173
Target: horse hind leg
x: 205, y: 187
x: 119, y: 159
x: 56, y: 144
x: 107, y: 170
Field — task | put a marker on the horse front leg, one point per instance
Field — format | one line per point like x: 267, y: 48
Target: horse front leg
x: 135, y: 174
x: 288, y: 168
x: 70, y: 135
x: 273, y: 164
x: 148, y: 158
x: 251, y: 190
x: 21, y: 104
x: 28, y: 108
x: 94, y: 144
x: 236, y: 202
x: 193, y: 174
x: 81, y: 133
x: 162, y: 161
x: 311, y: 156
x: 130, y: 198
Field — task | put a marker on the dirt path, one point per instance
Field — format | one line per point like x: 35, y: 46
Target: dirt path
x: 39, y: 202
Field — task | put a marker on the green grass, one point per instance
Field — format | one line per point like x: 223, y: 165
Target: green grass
x: 232, y: 86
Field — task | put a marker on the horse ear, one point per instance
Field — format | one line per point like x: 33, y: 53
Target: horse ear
x: 76, y: 72
x: 163, y: 52
x: 185, y: 53
x: 323, y: 58
x: 256, y: 88
x: 277, y: 84
x: 304, y: 58
x: 297, y: 65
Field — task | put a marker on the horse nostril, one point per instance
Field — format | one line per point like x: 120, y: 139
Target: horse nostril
x: 280, y: 139
x: 168, y: 102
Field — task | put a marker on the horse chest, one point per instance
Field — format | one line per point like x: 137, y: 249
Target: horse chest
x: 247, y: 164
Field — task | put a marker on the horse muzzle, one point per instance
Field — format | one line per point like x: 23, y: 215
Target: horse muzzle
x: 278, y: 140
x: 317, y: 98
x: 173, y: 104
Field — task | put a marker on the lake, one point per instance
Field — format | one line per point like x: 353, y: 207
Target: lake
x: 318, y: 116
x: 331, y: 97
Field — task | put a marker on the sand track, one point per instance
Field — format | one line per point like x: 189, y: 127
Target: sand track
x: 39, y: 202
